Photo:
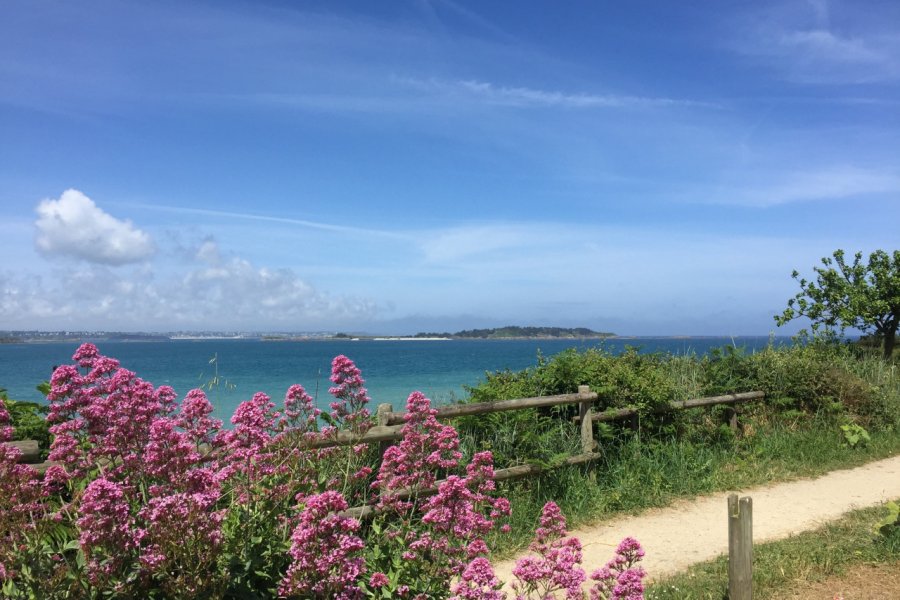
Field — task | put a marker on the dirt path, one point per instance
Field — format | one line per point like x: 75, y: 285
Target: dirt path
x: 696, y: 530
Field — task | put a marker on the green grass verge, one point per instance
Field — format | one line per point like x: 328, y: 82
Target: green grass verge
x: 779, y: 566
x: 639, y: 474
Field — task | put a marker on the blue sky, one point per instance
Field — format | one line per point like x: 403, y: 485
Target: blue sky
x: 641, y: 167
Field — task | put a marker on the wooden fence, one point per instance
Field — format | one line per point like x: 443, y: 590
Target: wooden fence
x: 389, y: 425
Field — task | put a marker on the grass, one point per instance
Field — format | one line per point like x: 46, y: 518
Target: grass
x: 779, y: 566
x: 637, y: 474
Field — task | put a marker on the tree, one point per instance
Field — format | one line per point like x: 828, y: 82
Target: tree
x: 856, y: 295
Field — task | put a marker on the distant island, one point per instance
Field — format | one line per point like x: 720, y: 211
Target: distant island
x: 512, y: 331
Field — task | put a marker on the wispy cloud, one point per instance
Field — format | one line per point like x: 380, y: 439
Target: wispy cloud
x: 800, y: 41
x: 832, y: 183
x: 330, y: 227
x: 525, y: 97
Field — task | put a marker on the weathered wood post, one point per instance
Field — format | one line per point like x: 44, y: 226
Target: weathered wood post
x: 29, y: 449
x: 740, y: 548
x: 587, y: 423
x: 731, y: 417
x: 383, y: 416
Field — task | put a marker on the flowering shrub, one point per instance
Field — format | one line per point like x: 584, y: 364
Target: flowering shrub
x: 152, y: 498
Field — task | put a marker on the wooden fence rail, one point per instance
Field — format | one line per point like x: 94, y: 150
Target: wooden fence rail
x: 390, y: 424
x: 479, y: 408
x: 728, y: 399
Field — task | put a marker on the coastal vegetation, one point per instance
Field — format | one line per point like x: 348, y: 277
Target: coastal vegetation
x: 812, y: 389
x: 154, y: 497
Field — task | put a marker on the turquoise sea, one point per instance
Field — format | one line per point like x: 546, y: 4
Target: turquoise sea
x: 392, y: 368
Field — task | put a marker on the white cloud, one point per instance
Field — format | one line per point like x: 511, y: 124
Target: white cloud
x: 213, y: 292
x: 524, y: 97
x: 808, y: 45
x: 76, y: 227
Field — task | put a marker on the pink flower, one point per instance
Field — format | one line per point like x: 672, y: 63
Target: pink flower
x: 557, y: 564
x: 326, y: 553
x: 427, y: 448
x: 350, y: 395
x: 620, y: 579
x: 478, y: 582
x: 193, y: 417
x: 106, y: 527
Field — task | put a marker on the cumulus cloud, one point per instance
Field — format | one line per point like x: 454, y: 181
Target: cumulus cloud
x: 76, y: 227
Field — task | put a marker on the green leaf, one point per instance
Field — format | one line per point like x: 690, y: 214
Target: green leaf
x: 891, y: 520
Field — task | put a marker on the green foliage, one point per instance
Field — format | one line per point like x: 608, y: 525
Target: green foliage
x: 811, y: 389
x: 818, y: 377
x: 855, y: 435
x: 851, y: 295
x: 890, y: 524
x: 28, y: 419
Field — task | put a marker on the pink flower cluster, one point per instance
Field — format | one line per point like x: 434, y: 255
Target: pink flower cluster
x: 326, y: 552
x: 300, y: 412
x: 620, y: 579
x: 103, y: 416
x: 428, y: 449
x: 107, y: 529
x: 478, y: 582
x: 349, y: 406
x: 21, y: 496
x: 151, y: 499
x: 438, y: 527
x: 556, y: 566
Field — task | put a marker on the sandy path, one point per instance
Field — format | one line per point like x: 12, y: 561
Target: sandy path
x: 696, y: 530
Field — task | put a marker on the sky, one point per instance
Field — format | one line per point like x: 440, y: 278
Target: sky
x: 645, y: 168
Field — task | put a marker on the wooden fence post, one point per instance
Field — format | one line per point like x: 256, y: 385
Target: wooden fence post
x: 587, y: 423
x: 740, y: 548
x: 731, y: 413
x: 383, y: 417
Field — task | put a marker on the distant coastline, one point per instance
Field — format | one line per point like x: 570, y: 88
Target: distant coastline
x: 502, y: 333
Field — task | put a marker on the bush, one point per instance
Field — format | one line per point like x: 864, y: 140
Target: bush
x: 27, y: 419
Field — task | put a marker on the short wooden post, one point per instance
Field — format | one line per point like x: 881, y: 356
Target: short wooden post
x: 732, y: 414
x: 740, y: 548
x: 382, y: 416
x: 587, y: 424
